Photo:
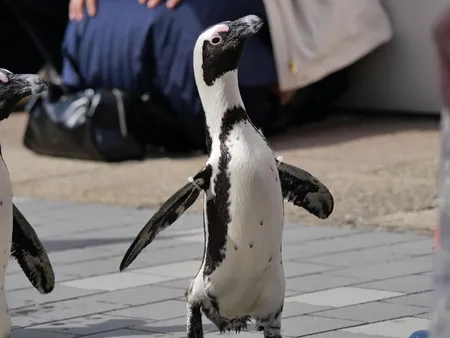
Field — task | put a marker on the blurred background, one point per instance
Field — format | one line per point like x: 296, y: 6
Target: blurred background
x: 344, y: 89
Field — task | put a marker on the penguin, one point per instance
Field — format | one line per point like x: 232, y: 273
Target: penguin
x: 241, y: 277
x: 17, y: 237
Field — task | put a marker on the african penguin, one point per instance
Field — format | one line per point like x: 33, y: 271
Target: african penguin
x: 241, y: 277
x: 17, y: 237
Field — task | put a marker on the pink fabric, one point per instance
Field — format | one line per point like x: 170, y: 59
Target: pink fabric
x: 3, y: 78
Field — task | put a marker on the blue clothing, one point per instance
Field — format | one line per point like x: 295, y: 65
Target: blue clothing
x: 421, y: 334
x: 138, y: 49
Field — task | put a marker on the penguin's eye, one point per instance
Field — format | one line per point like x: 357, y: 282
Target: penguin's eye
x: 216, y: 40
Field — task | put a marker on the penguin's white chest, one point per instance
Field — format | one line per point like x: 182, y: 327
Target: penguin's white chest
x: 6, y: 220
x: 253, y: 261
x: 256, y: 202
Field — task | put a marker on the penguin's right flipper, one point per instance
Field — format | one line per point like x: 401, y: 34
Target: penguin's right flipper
x: 302, y: 189
x: 30, y: 253
x: 168, y: 213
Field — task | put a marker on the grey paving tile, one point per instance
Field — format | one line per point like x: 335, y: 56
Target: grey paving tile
x: 372, y: 255
x: 13, y: 266
x: 116, y: 281
x: 296, y: 234
x: 424, y: 299
x: 176, y: 326
x: 186, y: 251
x: 226, y: 334
x: 304, y: 325
x: 175, y: 270
x: 342, y: 296
x: 138, y: 296
x: 428, y: 315
x: 318, y: 282
x: 294, y: 309
x: 396, y: 328
x: 89, y: 325
x: 372, y: 312
x: 93, y: 216
x: 166, y: 310
x: 31, y: 297
x: 128, y: 334
x: 388, y: 270
x: 66, y: 309
x: 87, y: 269
x: 17, y: 281
x: 24, y: 320
x: 79, y: 255
x: 342, y: 334
x: 291, y: 252
x: 115, y: 252
x: 32, y: 333
x: 408, y: 284
x: 126, y: 234
x: 292, y: 269
x: 357, y: 241
x: 313, y: 257
x: 181, y: 283
x: 288, y: 293
x: 428, y: 273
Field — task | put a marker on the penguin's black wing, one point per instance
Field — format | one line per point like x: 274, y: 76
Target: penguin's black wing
x: 304, y: 190
x: 29, y: 252
x: 167, y: 214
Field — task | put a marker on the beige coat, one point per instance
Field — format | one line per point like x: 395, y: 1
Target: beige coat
x: 313, y: 38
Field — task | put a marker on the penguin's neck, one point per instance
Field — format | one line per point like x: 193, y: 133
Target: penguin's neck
x: 217, y: 99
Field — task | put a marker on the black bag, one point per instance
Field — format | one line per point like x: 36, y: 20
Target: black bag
x: 87, y: 124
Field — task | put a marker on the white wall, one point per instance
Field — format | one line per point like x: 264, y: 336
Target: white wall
x: 400, y: 75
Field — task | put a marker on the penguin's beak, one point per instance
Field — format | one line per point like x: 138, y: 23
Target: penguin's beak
x: 243, y: 28
x: 14, y: 87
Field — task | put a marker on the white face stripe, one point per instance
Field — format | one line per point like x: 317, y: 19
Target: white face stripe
x: 213, y: 31
x: 3, y: 77
x: 224, y: 93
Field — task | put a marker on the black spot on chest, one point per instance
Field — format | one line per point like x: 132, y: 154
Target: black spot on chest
x: 218, y: 207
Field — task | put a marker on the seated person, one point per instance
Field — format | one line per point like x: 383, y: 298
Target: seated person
x: 145, y: 46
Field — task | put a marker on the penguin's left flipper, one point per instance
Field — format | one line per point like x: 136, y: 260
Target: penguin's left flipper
x: 167, y: 214
x: 29, y: 252
x: 304, y: 190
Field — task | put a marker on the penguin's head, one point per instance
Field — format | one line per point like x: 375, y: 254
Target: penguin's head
x: 219, y: 48
x: 14, y: 87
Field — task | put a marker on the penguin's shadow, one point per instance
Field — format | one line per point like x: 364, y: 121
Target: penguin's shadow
x: 56, y: 245
x: 345, y: 127
x: 108, y: 329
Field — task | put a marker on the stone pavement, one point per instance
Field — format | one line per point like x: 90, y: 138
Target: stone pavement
x: 341, y: 283
x: 381, y: 171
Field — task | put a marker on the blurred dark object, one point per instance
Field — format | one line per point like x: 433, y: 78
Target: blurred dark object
x: 48, y: 18
x: 312, y: 103
x: 84, y: 124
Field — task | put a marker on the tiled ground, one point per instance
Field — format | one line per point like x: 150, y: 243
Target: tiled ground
x: 340, y: 283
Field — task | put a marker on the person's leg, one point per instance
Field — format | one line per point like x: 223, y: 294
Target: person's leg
x: 173, y: 38
x: 47, y: 18
x: 151, y: 51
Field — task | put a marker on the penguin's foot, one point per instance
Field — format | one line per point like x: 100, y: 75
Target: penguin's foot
x: 240, y: 324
